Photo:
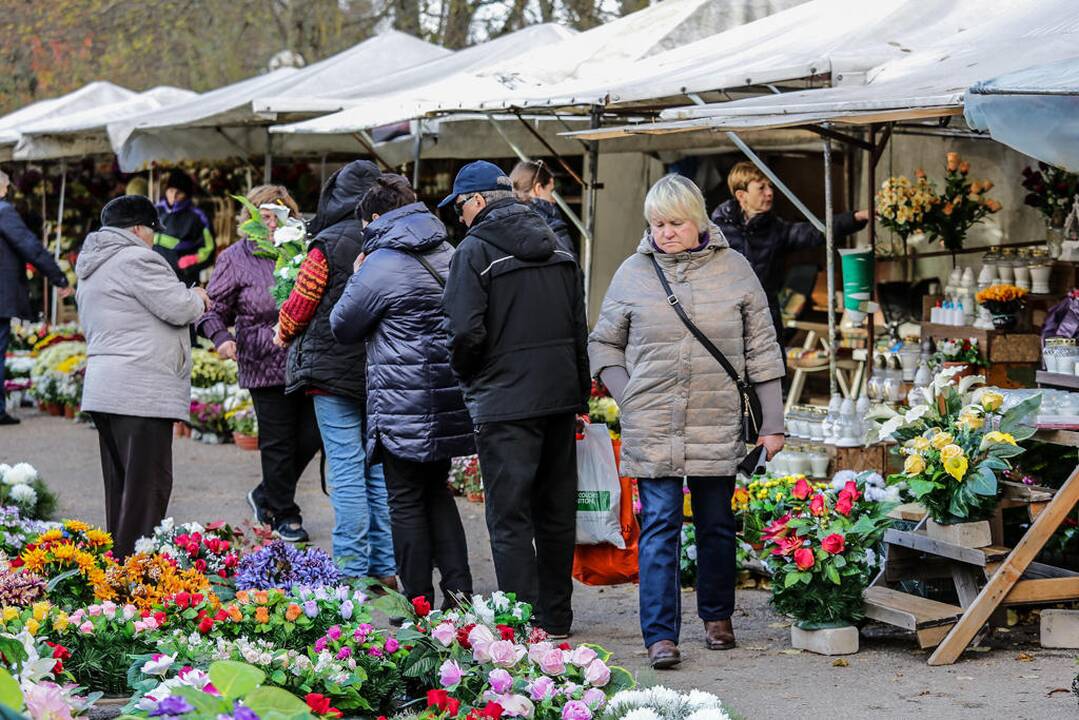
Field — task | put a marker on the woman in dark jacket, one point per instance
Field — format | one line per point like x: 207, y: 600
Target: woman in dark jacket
x: 288, y: 434
x: 533, y: 183
x: 416, y: 415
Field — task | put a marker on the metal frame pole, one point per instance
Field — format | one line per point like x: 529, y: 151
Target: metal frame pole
x: 829, y: 244
x: 267, y: 161
x: 417, y: 151
x: 54, y: 310
x: 592, y: 186
x: 741, y: 145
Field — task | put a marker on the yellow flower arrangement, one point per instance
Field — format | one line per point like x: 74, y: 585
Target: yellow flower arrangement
x: 914, y: 465
x: 942, y: 440
x: 956, y: 466
x: 1000, y: 294
x: 146, y: 580
x: 992, y: 401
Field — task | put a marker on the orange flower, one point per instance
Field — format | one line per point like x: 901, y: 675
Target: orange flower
x: 242, y: 597
x: 987, y: 185
x: 993, y: 205
x: 952, y: 161
x: 262, y: 615
x: 293, y: 612
x: 976, y: 188
x: 261, y: 597
x: 919, y: 173
x: 964, y: 167
x: 947, y: 209
x: 235, y: 614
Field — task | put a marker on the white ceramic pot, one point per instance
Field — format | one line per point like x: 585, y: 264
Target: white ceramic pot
x: 1039, y: 276
x: 1007, y: 273
x: 819, y: 465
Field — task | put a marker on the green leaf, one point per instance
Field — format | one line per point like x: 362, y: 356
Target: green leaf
x: 1012, y: 421
x: 272, y: 703
x: 995, y: 463
x: 919, y: 487
x: 983, y: 482
x: 234, y: 679
x: 59, y: 579
x: 832, y: 574
x: 601, y: 652
x: 621, y: 679
x: 839, y: 561
x: 1004, y: 450
x: 792, y: 579
x: 10, y: 693
x: 1024, y: 432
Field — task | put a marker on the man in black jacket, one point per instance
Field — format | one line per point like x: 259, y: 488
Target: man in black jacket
x: 751, y: 228
x: 518, y: 344
x: 19, y: 246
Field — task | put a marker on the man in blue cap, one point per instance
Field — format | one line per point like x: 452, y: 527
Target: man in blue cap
x: 518, y: 344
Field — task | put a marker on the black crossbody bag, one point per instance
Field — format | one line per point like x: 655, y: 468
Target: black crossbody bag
x: 750, y: 403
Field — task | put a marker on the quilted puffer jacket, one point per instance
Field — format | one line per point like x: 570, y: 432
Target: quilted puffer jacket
x: 415, y: 410
x: 680, y: 410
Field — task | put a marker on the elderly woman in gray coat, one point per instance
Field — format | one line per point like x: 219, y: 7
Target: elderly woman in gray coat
x: 680, y: 409
x: 136, y: 315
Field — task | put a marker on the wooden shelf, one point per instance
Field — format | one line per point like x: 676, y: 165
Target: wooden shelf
x: 935, y: 330
x: 1069, y: 438
x: 923, y: 543
x: 1057, y: 380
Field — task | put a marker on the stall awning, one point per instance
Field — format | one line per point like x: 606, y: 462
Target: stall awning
x: 84, y: 133
x: 223, y: 123
x: 88, y: 96
x: 1034, y: 110
x: 635, y: 36
x: 929, y: 83
x: 471, y: 59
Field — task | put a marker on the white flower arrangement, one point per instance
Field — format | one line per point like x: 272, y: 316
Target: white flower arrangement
x: 660, y: 703
x: 20, y: 474
x: 23, y: 495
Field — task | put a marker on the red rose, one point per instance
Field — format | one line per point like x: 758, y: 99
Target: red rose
x: 564, y: 646
x: 852, y: 489
x: 221, y: 615
x: 834, y: 544
x: 196, y: 599
x: 421, y: 606
x: 200, y: 565
x: 182, y: 539
x: 223, y: 573
x: 777, y: 529
x: 506, y: 632
x: 319, y: 704
x: 802, y: 489
x: 159, y: 616
x: 803, y: 558
x: 462, y: 636
x: 844, y: 504
x: 491, y: 710
x: 817, y: 505
x: 453, y: 705
x: 182, y: 599
x: 205, y: 625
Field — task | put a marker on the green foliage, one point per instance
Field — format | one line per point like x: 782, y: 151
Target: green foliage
x: 10, y: 693
x: 235, y: 679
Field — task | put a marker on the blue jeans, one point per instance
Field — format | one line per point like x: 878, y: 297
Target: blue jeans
x: 5, y: 336
x: 362, y: 542
x: 661, y: 526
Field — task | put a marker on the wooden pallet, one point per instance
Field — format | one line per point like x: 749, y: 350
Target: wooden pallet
x: 985, y: 579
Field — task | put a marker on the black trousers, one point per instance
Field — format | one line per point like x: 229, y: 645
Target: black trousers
x: 427, y: 529
x: 288, y: 440
x: 530, y: 481
x: 136, y: 462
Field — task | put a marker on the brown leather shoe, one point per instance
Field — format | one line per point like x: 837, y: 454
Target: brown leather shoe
x: 384, y: 584
x: 664, y: 654
x: 719, y: 635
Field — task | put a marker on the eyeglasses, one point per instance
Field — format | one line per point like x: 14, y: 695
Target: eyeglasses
x: 459, y: 207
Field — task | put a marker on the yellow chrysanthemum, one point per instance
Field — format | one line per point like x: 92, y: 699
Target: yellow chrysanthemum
x: 914, y: 465
x: 60, y: 622
x: 64, y: 552
x: 34, y: 560
x: 40, y: 610
x: 949, y: 452
x: 98, y: 537
x: 32, y: 626
x: 942, y: 439
x: 10, y: 613
x: 956, y: 467
x: 76, y: 526
x: 51, y: 536
x: 992, y: 401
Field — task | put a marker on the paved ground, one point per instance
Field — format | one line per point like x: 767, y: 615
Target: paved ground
x: 763, y: 678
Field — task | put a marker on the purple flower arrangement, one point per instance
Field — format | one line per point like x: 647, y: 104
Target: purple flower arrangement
x: 281, y: 565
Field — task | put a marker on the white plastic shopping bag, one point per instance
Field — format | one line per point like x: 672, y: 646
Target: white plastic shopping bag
x: 598, y: 490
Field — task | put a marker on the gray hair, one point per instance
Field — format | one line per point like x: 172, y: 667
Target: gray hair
x: 675, y: 197
x: 491, y: 196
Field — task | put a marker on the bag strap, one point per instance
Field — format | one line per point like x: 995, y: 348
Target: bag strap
x: 430, y: 268
x: 715, y: 352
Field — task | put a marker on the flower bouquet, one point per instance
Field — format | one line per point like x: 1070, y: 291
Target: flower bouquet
x: 148, y: 581
x: 955, y: 442
x: 1004, y: 303
x: 23, y: 488
x: 212, y: 549
x: 465, y: 478
x: 660, y: 703
x: 962, y: 205
x: 72, y: 558
x: 766, y: 499
x: 287, y: 248
x: 822, y: 552
x: 603, y: 409
x: 959, y: 351
x: 282, y: 565
x: 209, y: 369
x: 1051, y: 190
x: 902, y: 205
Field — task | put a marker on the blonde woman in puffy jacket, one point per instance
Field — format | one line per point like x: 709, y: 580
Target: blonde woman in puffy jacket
x: 680, y: 409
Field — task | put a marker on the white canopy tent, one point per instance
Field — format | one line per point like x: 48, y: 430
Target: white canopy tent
x: 471, y: 59
x: 223, y: 123
x: 92, y: 95
x: 931, y: 82
x: 636, y: 36
x: 1034, y: 110
x: 84, y: 133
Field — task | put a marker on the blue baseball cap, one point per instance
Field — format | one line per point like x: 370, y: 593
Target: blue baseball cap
x: 478, y: 176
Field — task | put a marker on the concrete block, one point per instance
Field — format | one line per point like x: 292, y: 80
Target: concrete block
x: 1060, y: 628
x: 829, y: 641
x: 968, y: 534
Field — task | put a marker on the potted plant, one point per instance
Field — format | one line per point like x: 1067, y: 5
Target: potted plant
x: 963, y: 353
x: 245, y: 427
x: 1051, y: 190
x: 954, y: 446
x: 822, y: 554
x: 1004, y: 303
x: 465, y: 478
x: 960, y: 206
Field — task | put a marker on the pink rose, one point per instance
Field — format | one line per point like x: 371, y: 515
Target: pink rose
x: 505, y: 653
x: 594, y: 698
x: 582, y: 656
x: 392, y: 645
x: 541, y: 689
x: 94, y: 610
x: 538, y: 651
x: 576, y: 710
x: 87, y: 628
x: 597, y: 673
x: 553, y: 663
x: 512, y: 705
x: 501, y: 681
x: 77, y: 616
x: 481, y: 640
x: 444, y: 633
x: 108, y: 609
x: 449, y: 674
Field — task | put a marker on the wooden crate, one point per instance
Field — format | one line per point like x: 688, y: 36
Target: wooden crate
x: 859, y: 459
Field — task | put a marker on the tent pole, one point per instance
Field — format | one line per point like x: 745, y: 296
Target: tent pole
x: 322, y: 171
x: 741, y: 145
x: 592, y: 186
x: 417, y: 151
x: 365, y: 139
x: 829, y: 244
x: 54, y: 311
x: 44, y: 236
x: 267, y: 162
x: 871, y: 186
x: 543, y: 141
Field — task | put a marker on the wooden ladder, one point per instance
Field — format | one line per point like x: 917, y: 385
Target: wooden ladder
x: 985, y: 578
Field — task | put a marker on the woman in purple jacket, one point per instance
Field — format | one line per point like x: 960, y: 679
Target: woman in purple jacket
x: 288, y: 433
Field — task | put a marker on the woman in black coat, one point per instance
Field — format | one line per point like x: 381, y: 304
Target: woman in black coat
x: 533, y: 183
x: 416, y: 416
